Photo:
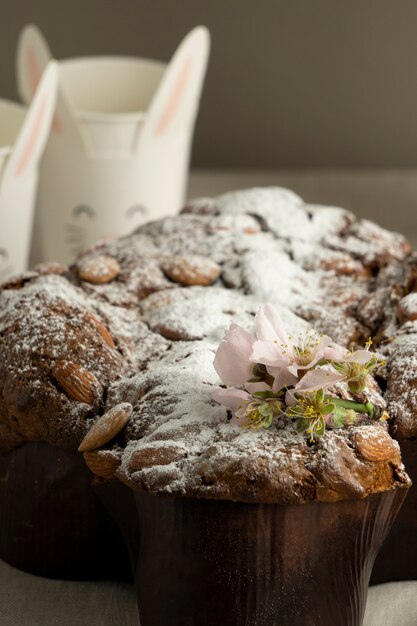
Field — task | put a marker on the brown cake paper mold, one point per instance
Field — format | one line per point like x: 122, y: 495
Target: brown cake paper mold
x: 51, y: 522
x: 207, y: 562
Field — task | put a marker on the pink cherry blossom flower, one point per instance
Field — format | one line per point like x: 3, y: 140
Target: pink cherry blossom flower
x: 282, y: 378
x: 248, y: 410
x: 316, y: 379
x: 334, y: 352
x: 233, y: 399
x: 355, y: 366
x: 337, y: 353
x: 280, y: 375
x: 276, y: 349
x: 232, y: 361
x: 313, y: 380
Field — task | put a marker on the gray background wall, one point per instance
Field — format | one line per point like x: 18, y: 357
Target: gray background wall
x: 291, y: 84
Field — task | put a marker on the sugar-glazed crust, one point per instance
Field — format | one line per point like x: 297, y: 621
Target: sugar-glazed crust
x: 74, y: 345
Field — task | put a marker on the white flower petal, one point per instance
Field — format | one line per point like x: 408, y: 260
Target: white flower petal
x: 360, y: 356
x: 232, y: 360
x: 266, y: 352
x: 254, y: 387
x: 317, y: 379
x: 334, y: 352
x: 269, y: 326
x: 232, y: 398
x: 282, y: 378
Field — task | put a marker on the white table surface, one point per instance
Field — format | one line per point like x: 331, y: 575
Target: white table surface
x: 27, y: 600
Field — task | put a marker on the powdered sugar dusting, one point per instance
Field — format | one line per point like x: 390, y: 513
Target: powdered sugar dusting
x: 318, y: 265
x: 401, y: 392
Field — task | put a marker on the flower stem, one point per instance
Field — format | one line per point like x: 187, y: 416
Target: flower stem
x: 368, y: 407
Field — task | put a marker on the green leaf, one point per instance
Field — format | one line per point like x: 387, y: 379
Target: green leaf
x: 264, y: 394
x: 259, y: 370
x: 371, y: 364
x: 269, y: 379
x: 339, y: 367
x: 264, y: 410
x: 302, y: 425
x: 327, y: 409
x: 267, y: 423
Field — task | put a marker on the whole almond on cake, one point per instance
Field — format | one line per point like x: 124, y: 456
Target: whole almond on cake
x: 168, y: 292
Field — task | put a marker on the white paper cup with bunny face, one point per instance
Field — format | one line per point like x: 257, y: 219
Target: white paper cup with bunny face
x: 23, y: 134
x: 119, y: 149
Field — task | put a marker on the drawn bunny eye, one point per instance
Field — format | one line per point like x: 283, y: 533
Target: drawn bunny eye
x: 140, y: 209
x: 83, y: 209
x: 4, y: 255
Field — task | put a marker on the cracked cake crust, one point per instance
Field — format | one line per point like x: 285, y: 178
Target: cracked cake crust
x: 142, y: 324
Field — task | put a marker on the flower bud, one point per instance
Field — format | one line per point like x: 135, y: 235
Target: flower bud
x: 356, y: 385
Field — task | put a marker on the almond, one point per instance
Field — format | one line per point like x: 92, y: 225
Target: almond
x: 106, y: 335
x: 252, y: 230
x: 106, y: 427
x: 375, y: 446
x: 98, y: 269
x: 102, y: 330
x: 147, y: 457
x: 79, y: 383
x: 102, y: 463
x: 191, y: 270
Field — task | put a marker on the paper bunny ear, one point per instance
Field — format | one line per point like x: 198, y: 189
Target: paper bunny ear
x: 176, y: 100
x: 33, y: 55
x: 32, y: 137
